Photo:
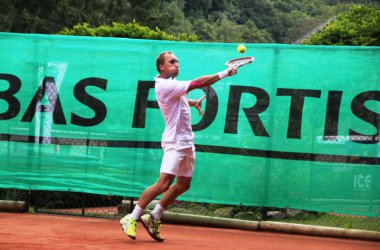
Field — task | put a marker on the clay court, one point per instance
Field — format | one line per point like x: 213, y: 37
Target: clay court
x: 40, y: 231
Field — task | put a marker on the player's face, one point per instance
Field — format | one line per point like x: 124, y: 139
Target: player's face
x: 170, y: 68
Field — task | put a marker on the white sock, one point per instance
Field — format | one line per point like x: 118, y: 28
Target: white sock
x: 157, y: 212
x: 136, y: 213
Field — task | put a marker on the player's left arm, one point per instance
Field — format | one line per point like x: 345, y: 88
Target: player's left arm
x: 197, y: 104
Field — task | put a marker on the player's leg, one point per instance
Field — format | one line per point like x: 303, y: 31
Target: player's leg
x: 156, y: 189
x: 152, y: 221
x: 172, y: 162
x: 186, y: 159
x: 184, y: 175
x: 181, y: 186
x: 129, y: 222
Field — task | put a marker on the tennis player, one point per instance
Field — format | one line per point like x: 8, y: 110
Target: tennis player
x: 177, y: 142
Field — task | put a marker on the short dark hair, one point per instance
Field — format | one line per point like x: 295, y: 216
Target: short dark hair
x: 161, y: 58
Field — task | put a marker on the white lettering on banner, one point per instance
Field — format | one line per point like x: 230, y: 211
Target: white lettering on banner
x: 362, y: 182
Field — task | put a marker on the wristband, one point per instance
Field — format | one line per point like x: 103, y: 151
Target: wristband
x: 222, y: 74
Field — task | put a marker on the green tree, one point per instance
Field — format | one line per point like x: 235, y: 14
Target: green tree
x: 51, y: 16
x: 358, y: 26
x: 130, y: 30
x: 300, y: 24
x: 228, y: 31
x: 205, y: 30
x: 265, y: 15
x: 146, y: 12
x: 280, y: 21
x: 252, y: 34
x: 172, y: 18
x: 198, y: 8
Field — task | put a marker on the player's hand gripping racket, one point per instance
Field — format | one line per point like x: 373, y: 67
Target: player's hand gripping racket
x: 238, y: 62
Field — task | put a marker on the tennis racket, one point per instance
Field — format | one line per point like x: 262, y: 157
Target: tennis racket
x: 238, y: 62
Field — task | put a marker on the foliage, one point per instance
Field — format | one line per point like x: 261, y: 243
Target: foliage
x: 358, y: 26
x: 131, y: 30
x: 296, y: 217
x: 335, y: 220
x: 12, y: 194
x: 254, y: 21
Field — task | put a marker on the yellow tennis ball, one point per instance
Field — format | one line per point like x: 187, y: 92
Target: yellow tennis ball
x: 241, y: 48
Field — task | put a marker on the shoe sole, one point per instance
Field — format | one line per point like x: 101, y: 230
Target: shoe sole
x: 130, y: 236
x: 151, y: 234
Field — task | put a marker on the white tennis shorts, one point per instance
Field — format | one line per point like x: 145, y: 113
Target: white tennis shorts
x: 178, y: 162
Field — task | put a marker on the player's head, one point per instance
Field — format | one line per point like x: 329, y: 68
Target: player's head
x: 167, y: 64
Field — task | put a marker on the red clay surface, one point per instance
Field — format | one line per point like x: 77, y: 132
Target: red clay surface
x: 38, y: 231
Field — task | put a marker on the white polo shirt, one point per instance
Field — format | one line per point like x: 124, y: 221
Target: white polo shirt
x: 171, y: 96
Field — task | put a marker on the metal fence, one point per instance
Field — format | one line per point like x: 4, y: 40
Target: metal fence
x: 110, y: 206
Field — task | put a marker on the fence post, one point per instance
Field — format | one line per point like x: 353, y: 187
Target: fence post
x: 29, y: 200
x: 35, y: 200
x: 83, y: 204
x: 131, y: 205
x: 264, y: 213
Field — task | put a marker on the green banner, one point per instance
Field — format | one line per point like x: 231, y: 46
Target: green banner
x: 297, y: 128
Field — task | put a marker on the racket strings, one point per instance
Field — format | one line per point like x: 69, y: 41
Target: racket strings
x: 240, y: 62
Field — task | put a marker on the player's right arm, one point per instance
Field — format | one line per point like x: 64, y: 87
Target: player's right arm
x: 207, y: 80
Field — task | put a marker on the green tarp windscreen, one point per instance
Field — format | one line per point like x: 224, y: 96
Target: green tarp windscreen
x: 297, y: 128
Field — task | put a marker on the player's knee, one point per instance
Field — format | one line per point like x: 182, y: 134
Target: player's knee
x: 184, y: 186
x: 162, y: 187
